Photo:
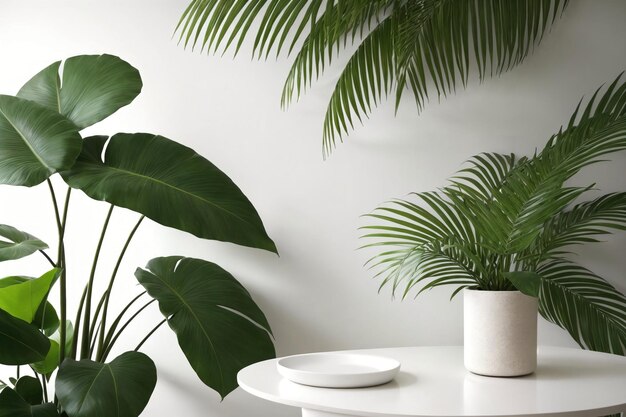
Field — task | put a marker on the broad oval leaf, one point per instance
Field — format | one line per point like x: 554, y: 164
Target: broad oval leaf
x: 29, y: 389
x: 20, y: 342
x: 93, y: 87
x: 12, y: 405
x: 219, y: 327
x: 169, y: 183
x: 120, y: 388
x: 35, y: 142
x: 17, y: 244
x: 23, y: 299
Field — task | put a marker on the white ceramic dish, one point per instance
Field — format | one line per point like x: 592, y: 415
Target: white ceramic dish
x: 338, y: 370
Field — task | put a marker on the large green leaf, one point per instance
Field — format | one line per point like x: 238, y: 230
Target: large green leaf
x: 23, y: 299
x: 169, y: 183
x: 12, y: 405
x: 219, y: 327
x: 121, y: 388
x: 20, y: 342
x: 35, y: 142
x: 18, y: 244
x: 29, y: 389
x: 93, y: 87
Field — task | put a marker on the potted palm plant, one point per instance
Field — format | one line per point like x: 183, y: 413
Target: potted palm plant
x: 501, y: 231
x: 63, y: 366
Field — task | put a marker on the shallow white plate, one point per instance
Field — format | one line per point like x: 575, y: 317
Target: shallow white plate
x: 338, y: 370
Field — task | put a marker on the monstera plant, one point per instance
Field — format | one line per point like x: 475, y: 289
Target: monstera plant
x: 507, y: 223
x: 219, y: 327
x: 396, y: 45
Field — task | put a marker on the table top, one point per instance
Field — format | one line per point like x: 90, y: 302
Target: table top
x: 433, y: 382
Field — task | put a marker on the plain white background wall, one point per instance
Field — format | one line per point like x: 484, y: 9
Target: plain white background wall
x: 316, y: 294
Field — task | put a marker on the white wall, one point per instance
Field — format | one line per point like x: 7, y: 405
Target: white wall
x: 317, y: 295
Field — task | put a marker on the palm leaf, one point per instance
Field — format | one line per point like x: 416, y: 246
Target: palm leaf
x: 581, y: 224
x: 589, y: 308
x: 400, y: 45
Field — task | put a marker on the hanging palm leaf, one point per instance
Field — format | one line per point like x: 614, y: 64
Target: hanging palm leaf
x: 415, y: 45
x: 504, y: 214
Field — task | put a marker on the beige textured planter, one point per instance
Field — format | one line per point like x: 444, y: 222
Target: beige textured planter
x: 500, y: 330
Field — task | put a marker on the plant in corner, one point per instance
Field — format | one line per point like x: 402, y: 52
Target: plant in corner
x: 505, y: 224
x: 219, y: 327
x: 400, y: 44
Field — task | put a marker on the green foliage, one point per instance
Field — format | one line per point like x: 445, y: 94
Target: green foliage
x: 403, y: 45
x: 12, y: 405
x: 22, y: 296
x: 507, y: 222
x: 36, y: 142
x: 109, y: 85
x: 219, y: 328
x: 29, y: 389
x: 120, y: 388
x: 131, y: 175
x: 153, y: 176
x: 20, y: 342
x: 18, y: 244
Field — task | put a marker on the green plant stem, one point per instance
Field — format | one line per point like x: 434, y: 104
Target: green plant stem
x: 43, y: 382
x: 106, y: 296
x: 77, y: 323
x: 48, y: 258
x: 60, y: 263
x: 84, y: 347
x: 92, y: 330
x: 121, y: 330
x: 150, y: 334
x: 116, y: 322
x: 45, y: 388
x: 17, y: 372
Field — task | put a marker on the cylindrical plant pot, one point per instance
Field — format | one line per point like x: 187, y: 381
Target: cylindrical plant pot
x: 500, y: 330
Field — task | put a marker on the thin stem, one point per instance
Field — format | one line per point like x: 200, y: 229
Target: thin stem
x: 116, y: 322
x: 84, y: 347
x: 60, y: 262
x: 42, y: 381
x: 106, y: 296
x: 17, y: 372
x: 93, y: 340
x: 77, y: 323
x: 45, y: 388
x: 118, y: 334
x: 92, y: 330
x: 150, y: 334
x: 48, y: 258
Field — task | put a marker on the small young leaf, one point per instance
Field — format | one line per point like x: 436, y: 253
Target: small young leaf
x: 527, y: 282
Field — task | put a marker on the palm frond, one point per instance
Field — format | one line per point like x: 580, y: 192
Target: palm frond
x: 401, y: 44
x: 589, y: 308
x: 581, y: 224
x: 432, y: 42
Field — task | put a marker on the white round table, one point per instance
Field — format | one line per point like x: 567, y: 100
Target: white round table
x: 433, y: 382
